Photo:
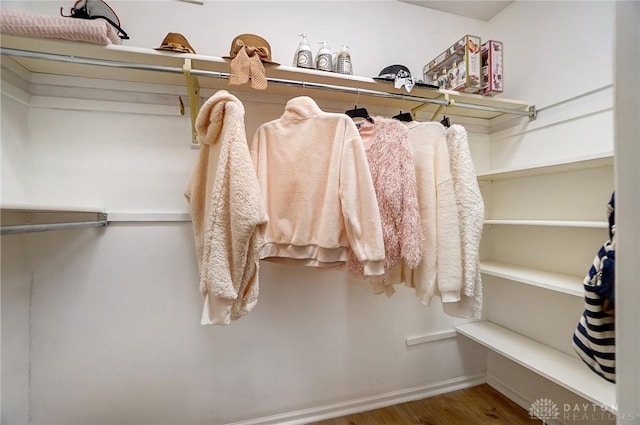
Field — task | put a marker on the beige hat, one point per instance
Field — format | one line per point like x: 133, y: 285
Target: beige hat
x: 254, y: 43
x: 175, y: 42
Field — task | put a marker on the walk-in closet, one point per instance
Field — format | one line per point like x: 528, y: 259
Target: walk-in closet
x: 102, y: 317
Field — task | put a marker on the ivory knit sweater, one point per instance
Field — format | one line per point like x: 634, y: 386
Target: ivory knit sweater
x: 471, y: 218
x: 227, y: 212
x: 394, y: 179
x: 316, y: 184
x: 440, y: 271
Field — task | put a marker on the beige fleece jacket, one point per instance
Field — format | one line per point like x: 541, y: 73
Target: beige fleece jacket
x: 317, y: 187
x: 228, y: 214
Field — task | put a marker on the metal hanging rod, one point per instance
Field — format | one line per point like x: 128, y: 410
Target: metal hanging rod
x: 530, y: 112
x: 48, y: 220
x: 31, y: 228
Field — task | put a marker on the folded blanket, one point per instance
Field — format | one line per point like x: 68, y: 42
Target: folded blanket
x: 97, y: 31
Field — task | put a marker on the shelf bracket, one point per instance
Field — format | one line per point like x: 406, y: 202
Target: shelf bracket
x: 193, y: 89
x: 449, y: 102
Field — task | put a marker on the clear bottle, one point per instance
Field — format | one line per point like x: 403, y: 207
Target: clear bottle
x: 343, y: 61
x: 303, y: 57
x: 462, y: 71
x: 453, y: 75
x: 324, y: 58
x: 443, y: 80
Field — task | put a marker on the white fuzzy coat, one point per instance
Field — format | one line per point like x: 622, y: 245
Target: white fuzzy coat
x: 471, y: 217
x: 228, y: 214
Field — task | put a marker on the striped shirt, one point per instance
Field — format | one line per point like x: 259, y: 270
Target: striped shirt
x: 594, y: 337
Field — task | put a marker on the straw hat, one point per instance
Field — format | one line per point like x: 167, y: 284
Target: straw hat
x: 253, y: 42
x: 175, y: 42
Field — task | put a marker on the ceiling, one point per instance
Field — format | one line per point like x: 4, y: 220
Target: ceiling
x: 478, y: 9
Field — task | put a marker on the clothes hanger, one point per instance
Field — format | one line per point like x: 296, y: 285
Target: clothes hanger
x: 359, y: 112
x: 403, y: 116
x: 445, y: 121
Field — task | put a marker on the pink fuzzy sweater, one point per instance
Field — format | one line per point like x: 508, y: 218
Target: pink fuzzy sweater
x: 390, y: 161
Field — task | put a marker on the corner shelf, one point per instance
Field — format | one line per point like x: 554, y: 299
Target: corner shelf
x: 564, y: 283
x: 565, y: 370
x: 604, y: 159
x: 551, y: 223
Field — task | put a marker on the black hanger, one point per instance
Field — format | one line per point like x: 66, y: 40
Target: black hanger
x: 403, y: 116
x: 445, y: 121
x: 359, y: 113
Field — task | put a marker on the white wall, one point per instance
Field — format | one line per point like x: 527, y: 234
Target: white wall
x: 15, y: 296
x: 627, y: 207
x: 115, y: 331
x: 566, y: 71
x: 14, y: 155
x: 115, y: 335
x: 15, y: 289
x: 114, y: 312
x: 379, y: 33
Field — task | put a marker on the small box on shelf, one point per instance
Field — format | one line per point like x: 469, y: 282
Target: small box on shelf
x: 492, y: 68
x: 458, y: 67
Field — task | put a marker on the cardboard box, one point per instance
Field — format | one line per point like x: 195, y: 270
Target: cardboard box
x: 467, y: 73
x: 492, y: 68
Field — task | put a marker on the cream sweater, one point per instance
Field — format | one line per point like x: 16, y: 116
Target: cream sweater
x: 316, y: 184
x: 440, y: 271
x: 471, y: 217
x: 227, y: 212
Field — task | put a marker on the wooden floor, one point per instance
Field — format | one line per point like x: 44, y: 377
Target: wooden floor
x: 478, y: 405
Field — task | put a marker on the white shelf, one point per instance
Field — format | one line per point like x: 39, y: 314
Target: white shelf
x: 561, y: 368
x: 552, y: 223
x: 135, y: 63
x: 566, y: 284
x: 604, y: 159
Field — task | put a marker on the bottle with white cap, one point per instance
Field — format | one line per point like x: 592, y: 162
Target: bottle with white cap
x: 303, y: 57
x: 343, y: 61
x: 324, y: 58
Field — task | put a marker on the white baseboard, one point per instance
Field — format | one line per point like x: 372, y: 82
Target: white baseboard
x: 334, y: 410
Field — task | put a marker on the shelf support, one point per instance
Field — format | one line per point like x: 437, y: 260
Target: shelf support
x: 449, y: 102
x: 193, y: 90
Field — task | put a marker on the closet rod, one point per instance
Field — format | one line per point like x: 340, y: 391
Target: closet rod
x: 530, y: 112
x: 30, y: 228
